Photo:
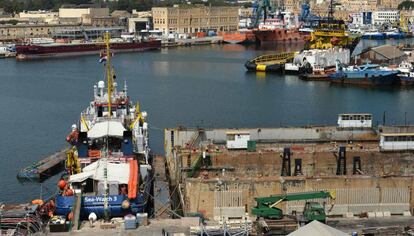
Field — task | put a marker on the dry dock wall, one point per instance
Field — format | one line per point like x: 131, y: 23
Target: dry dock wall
x: 179, y: 138
x: 228, y: 187
x: 229, y: 198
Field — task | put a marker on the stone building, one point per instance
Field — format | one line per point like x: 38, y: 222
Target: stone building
x: 388, y: 4
x: 47, y: 17
x: 187, y: 19
x: 86, y: 15
x: 13, y: 32
x: 385, y: 17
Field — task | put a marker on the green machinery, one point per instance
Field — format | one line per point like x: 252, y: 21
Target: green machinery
x: 266, y: 206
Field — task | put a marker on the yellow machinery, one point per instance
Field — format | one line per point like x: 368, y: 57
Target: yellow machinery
x: 72, y: 161
x: 331, y: 33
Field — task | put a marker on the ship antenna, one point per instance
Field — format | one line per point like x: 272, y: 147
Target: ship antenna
x: 108, y: 72
x: 331, y: 9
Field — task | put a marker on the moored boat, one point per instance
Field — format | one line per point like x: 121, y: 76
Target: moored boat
x: 311, y: 60
x: 7, y: 50
x: 406, y: 75
x: 331, y: 33
x: 367, y: 74
x: 373, y: 34
x: 109, y: 164
x: 318, y: 74
x: 239, y: 37
x: 33, y: 51
x: 394, y: 34
x: 270, y: 62
x: 406, y: 79
x: 275, y: 30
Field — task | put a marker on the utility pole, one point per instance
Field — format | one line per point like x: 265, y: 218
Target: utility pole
x: 405, y: 118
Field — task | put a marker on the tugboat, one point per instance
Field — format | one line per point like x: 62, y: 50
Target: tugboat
x: 367, y: 74
x: 406, y: 75
x: 109, y: 164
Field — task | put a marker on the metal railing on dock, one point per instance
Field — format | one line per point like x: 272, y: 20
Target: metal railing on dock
x: 279, y: 57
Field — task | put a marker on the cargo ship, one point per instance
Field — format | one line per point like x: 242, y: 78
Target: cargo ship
x: 109, y: 163
x: 367, y: 74
x: 33, y: 51
x: 239, y: 37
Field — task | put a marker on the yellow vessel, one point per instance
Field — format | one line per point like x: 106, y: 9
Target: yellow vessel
x: 331, y: 33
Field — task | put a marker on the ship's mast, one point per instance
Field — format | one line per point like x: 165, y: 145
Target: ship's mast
x: 331, y: 9
x: 108, y: 72
x: 109, y: 84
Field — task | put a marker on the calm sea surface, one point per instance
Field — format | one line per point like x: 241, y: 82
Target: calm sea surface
x: 193, y: 86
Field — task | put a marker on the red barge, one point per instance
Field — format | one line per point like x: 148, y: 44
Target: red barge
x: 55, y: 49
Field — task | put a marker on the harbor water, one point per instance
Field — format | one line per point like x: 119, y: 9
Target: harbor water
x: 205, y: 86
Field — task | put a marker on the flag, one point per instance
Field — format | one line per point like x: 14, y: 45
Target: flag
x: 103, y: 59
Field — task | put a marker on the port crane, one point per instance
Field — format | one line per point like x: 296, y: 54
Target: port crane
x: 261, y: 9
x: 266, y: 206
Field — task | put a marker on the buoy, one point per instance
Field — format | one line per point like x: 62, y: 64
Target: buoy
x: 62, y: 184
x: 37, y: 202
x: 125, y: 204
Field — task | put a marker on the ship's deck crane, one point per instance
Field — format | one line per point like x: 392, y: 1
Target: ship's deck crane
x: 261, y: 9
x: 266, y: 206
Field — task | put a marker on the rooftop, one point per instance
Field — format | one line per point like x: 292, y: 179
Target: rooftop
x: 387, y: 51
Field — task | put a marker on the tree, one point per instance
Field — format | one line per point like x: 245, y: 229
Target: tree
x: 406, y: 5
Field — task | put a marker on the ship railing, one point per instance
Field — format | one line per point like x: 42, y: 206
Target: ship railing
x: 94, y: 119
x: 101, y: 119
x: 274, y: 57
x: 329, y: 32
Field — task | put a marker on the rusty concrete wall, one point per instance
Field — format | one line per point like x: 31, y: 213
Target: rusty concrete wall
x: 268, y: 163
x: 396, y: 193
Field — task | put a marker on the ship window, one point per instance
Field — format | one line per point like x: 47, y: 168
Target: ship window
x: 345, y: 117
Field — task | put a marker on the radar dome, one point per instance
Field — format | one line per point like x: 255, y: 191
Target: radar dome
x: 101, y: 84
